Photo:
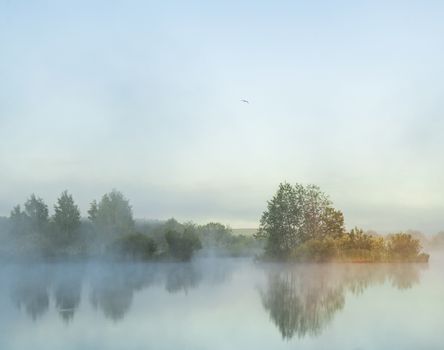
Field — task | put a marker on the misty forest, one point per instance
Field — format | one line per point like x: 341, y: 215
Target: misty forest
x: 299, y: 224
x: 301, y: 267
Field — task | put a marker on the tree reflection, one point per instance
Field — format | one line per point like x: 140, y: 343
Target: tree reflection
x: 30, y: 292
x: 303, y: 299
x: 112, y: 289
x: 114, y: 286
x: 67, y: 292
x: 182, y: 277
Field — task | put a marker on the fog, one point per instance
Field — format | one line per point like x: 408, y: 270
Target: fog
x: 145, y: 97
x: 222, y: 302
x: 128, y: 155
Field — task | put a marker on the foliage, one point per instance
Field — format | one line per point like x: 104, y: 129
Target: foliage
x: 317, y: 250
x: 110, y: 229
x: 135, y: 246
x: 19, y: 221
x: 113, y: 214
x: 301, y: 224
x: 218, y: 239
x: 403, y: 246
x: 92, y: 211
x: 357, y: 246
x: 295, y: 215
x: 214, y: 235
x: 182, y: 245
x: 29, y: 228
x: 66, y: 217
x: 36, y: 212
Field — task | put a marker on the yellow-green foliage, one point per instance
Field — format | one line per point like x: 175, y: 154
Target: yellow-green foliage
x: 357, y: 246
x: 403, y: 246
x: 300, y: 223
x: 318, y: 250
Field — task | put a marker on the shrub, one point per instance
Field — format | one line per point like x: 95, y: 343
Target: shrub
x: 181, y: 246
x: 402, y: 246
x: 134, y: 246
x: 317, y: 250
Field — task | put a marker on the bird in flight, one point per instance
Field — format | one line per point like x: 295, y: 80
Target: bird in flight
x: 245, y: 101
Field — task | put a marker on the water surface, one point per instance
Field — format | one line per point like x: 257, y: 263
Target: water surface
x: 222, y: 304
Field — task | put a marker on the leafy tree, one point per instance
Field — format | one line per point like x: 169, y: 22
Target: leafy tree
x: 215, y: 235
x: 318, y: 250
x: 182, y: 245
x: 92, y: 212
x: 295, y: 215
x: 402, y: 246
x: 113, y: 214
x: 357, y: 245
x: 37, y: 212
x: 66, y: 216
x: 134, y: 246
x: 19, y: 221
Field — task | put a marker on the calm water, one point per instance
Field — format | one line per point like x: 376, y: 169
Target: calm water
x: 222, y: 304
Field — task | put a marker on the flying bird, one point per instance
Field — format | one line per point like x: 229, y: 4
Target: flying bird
x: 245, y: 101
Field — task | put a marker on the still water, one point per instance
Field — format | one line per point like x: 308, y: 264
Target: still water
x: 222, y: 304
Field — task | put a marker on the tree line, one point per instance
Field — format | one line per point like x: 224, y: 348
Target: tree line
x: 301, y: 224
x: 110, y: 231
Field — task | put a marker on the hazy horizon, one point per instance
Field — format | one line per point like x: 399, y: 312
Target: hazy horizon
x: 145, y: 97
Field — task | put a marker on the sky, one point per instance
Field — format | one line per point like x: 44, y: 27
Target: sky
x: 144, y: 97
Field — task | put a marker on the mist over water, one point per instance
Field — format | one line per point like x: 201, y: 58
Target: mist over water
x: 221, y: 303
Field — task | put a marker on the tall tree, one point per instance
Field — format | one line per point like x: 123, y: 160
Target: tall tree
x: 296, y: 214
x: 37, y: 212
x: 182, y: 245
x: 66, y: 216
x: 19, y: 221
x: 92, y: 211
x: 113, y: 214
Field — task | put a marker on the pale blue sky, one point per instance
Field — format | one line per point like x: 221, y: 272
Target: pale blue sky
x: 144, y: 97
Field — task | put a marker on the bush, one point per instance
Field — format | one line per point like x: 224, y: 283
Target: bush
x: 316, y: 250
x: 181, y: 246
x: 134, y: 246
x: 402, y: 246
x: 357, y: 246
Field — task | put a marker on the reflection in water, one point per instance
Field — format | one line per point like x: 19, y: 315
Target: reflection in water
x: 30, y: 292
x: 113, y: 296
x: 182, y: 277
x: 111, y: 286
x: 302, y: 299
x: 67, y: 292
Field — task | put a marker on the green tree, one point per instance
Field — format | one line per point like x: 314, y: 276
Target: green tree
x: 19, y: 221
x: 403, y: 247
x: 215, y: 235
x: 295, y: 215
x: 181, y: 246
x: 113, y: 214
x: 134, y: 246
x: 92, y: 212
x: 66, y: 217
x: 37, y: 212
